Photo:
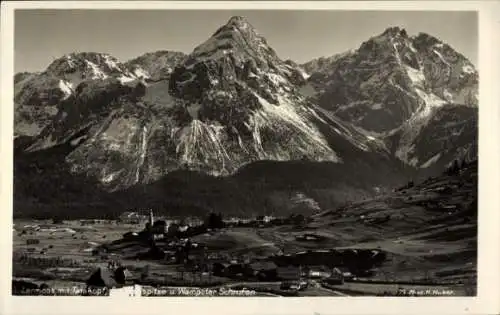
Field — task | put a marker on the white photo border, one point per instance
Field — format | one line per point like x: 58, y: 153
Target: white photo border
x: 486, y: 301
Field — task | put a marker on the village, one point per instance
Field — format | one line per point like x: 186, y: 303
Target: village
x: 141, y: 254
x: 156, y: 252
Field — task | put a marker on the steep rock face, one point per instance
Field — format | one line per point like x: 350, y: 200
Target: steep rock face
x: 231, y: 102
x: 236, y: 90
x: 399, y: 88
x: 322, y: 66
x: 156, y: 65
x: 38, y: 95
x: 157, y: 129
x: 63, y: 75
x: 432, y: 143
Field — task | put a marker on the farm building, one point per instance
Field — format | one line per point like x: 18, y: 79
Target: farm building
x: 318, y: 272
x: 295, y: 285
x: 336, y: 277
x: 344, y: 271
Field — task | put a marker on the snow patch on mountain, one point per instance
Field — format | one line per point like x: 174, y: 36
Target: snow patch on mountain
x: 468, y: 69
x: 141, y: 73
x: 431, y: 101
x: 441, y: 57
x: 124, y: 79
x: 66, y: 87
x: 304, y: 74
x: 142, y: 156
x: 431, y: 161
x: 97, y: 73
x: 200, y: 142
x: 287, y: 112
x: 111, y: 63
x: 416, y: 76
x: 70, y: 61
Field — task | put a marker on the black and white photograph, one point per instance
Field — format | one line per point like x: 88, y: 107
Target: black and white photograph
x: 245, y: 153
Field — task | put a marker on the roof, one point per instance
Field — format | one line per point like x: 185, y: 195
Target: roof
x: 102, y: 278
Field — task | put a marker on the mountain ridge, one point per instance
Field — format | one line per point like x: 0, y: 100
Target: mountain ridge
x: 232, y: 105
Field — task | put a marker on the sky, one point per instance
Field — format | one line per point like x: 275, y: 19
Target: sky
x: 44, y: 35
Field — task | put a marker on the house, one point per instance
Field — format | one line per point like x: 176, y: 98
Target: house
x: 345, y: 272
x: 267, y: 219
x: 318, y: 272
x: 335, y: 278
x: 295, y: 285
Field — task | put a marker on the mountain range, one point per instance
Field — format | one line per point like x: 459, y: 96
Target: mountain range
x: 233, y: 128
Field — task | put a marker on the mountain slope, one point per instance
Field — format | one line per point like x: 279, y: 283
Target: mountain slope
x: 229, y: 116
x: 401, y: 89
x: 37, y: 96
x: 231, y: 102
x: 429, y: 229
x: 156, y: 65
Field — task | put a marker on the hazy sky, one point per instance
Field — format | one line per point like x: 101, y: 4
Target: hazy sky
x: 43, y: 35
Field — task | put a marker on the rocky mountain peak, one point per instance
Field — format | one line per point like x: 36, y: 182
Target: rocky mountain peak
x: 232, y: 102
x: 91, y: 62
x: 401, y: 85
x: 395, y: 31
x: 238, y: 22
x: 422, y: 39
x: 237, y: 38
x: 235, y: 54
x: 157, y: 65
